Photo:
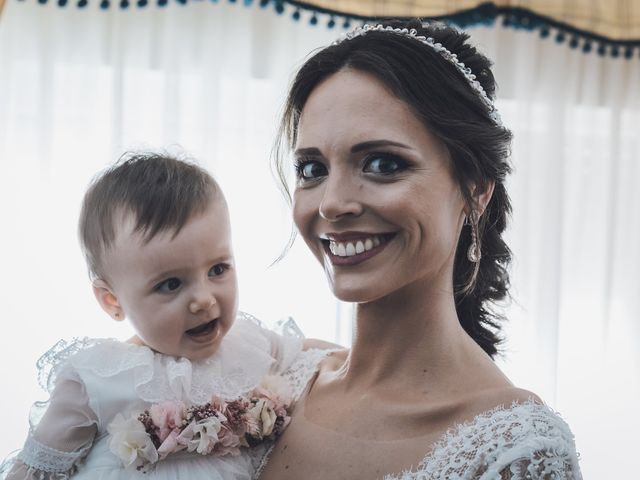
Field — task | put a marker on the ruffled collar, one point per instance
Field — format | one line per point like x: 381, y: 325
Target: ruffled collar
x: 243, y: 359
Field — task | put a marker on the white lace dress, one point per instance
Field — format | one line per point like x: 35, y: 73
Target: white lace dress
x: 521, y: 441
x: 90, y: 381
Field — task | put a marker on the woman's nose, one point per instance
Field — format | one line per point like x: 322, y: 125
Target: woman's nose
x: 203, y: 299
x: 341, y: 198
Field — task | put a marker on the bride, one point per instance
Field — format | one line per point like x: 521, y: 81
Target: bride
x: 400, y: 159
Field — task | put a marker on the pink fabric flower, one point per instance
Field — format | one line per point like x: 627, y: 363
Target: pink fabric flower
x: 186, y: 435
x: 237, y: 418
x: 228, y: 442
x: 171, y: 444
x: 218, y: 404
x: 276, y: 389
x: 217, y: 427
x: 167, y: 416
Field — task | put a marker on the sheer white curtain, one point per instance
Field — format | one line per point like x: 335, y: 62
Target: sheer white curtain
x: 78, y: 87
x: 575, y: 319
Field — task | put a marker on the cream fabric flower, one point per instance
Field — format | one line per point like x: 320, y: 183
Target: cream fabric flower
x: 205, y: 435
x: 130, y: 442
x: 264, y: 412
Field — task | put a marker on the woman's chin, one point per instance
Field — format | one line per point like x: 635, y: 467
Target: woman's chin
x: 355, y: 293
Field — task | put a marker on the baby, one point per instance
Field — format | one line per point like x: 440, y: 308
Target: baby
x: 156, y: 236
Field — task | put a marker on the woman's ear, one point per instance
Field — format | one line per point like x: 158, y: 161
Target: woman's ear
x: 107, y: 299
x: 481, y: 198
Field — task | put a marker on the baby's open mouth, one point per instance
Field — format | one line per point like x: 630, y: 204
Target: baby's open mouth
x: 204, y: 329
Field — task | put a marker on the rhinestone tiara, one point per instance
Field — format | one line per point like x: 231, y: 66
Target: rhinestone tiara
x: 440, y: 49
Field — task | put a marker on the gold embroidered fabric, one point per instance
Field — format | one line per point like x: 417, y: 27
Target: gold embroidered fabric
x: 616, y: 20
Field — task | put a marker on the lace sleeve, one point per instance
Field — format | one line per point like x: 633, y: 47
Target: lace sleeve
x: 526, y: 441
x: 58, y: 438
x: 544, y: 465
x: 538, y: 446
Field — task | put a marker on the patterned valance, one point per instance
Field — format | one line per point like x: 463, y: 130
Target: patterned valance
x: 615, y: 20
x: 604, y: 26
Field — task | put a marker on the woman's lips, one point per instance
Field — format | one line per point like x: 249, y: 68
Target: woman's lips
x: 355, y: 248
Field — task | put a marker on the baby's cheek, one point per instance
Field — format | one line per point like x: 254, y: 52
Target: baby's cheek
x: 231, y: 294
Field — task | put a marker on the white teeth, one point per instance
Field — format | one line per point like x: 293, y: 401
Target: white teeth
x: 348, y: 249
x: 351, y: 250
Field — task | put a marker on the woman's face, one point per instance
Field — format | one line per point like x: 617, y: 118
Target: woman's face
x: 375, y: 200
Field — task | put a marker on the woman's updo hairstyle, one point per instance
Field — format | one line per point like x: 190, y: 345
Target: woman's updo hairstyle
x: 479, y: 147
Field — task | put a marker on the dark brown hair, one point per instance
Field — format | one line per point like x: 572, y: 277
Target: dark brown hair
x: 441, y: 98
x: 161, y: 191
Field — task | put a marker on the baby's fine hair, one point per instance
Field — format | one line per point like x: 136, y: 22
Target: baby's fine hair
x: 161, y: 191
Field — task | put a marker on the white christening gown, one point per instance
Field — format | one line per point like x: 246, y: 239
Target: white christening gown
x: 90, y: 381
x: 521, y: 441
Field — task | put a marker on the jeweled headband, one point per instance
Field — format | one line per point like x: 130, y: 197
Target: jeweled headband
x: 440, y: 49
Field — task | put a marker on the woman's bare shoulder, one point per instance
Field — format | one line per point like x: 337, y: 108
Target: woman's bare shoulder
x: 515, y: 394
x: 333, y: 361
x: 490, y: 399
x: 316, y: 343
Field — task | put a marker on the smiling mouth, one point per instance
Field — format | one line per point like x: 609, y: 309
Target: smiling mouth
x: 356, y: 249
x: 203, y: 330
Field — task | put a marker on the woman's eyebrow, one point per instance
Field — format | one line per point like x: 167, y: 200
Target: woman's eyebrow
x: 376, y: 144
x: 308, y: 152
x: 359, y: 147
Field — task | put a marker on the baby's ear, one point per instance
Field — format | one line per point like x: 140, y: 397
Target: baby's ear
x: 107, y: 299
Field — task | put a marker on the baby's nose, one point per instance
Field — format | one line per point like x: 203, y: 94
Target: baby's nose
x: 203, y: 303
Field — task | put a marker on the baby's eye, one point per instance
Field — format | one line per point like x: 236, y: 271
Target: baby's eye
x: 385, y: 164
x: 218, y: 269
x: 169, y: 285
x: 310, y: 169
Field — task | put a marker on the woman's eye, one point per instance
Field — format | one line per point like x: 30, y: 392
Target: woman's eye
x: 384, y: 164
x: 310, y: 169
x: 218, y: 269
x: 169, y: 285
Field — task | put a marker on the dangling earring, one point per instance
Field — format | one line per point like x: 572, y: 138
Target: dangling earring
x: 474, y: 253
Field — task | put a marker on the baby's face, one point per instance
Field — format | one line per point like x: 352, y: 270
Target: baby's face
x: 179, y: 293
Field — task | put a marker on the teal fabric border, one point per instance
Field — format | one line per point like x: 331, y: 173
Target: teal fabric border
x: 484, y: 14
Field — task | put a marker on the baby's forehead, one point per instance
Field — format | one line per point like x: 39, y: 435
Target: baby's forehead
x: 129, y: 227
x: 126, y: 228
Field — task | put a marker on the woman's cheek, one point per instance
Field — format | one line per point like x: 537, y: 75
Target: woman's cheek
x: 305, y: 214
x: 302, y: 211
